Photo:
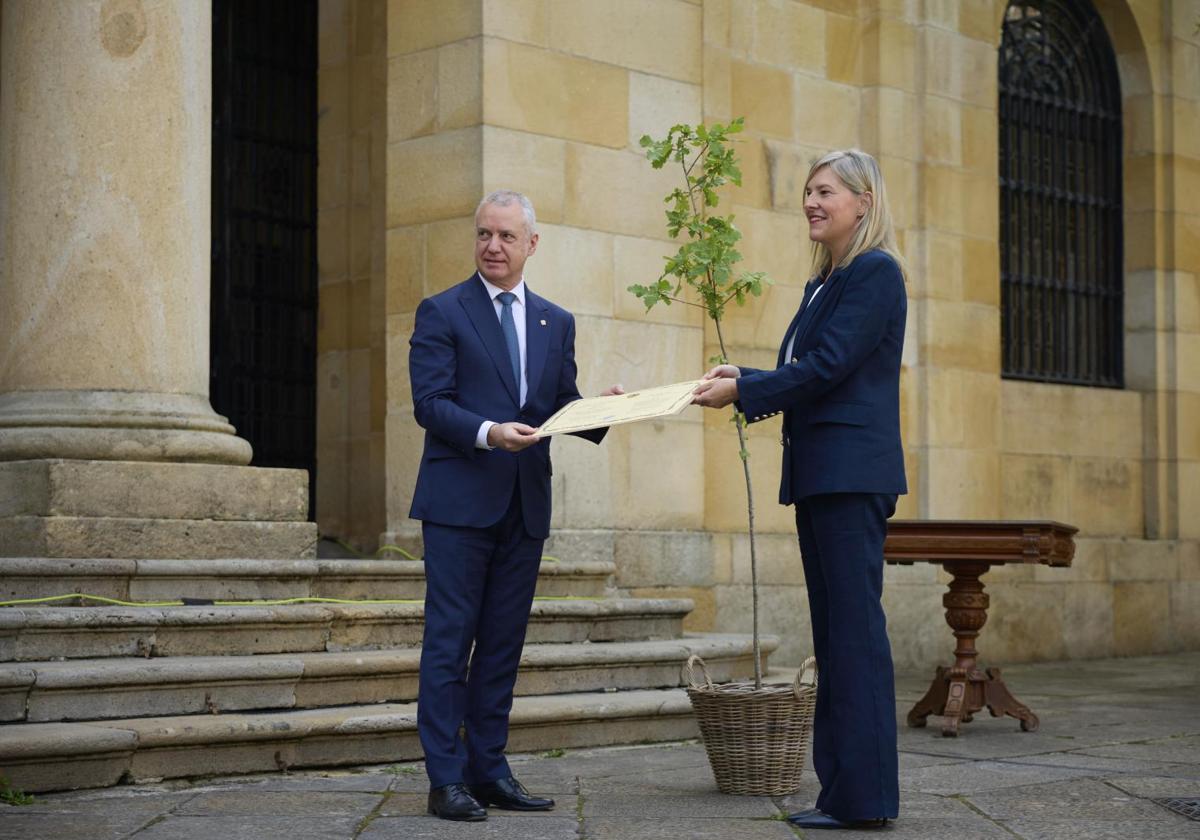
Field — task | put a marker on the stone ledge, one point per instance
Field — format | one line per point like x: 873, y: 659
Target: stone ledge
x: 138, y: 538
x: 149, y: 490
x: 40, y: 633
x: 41, y: 757
x: 122, y: 688
x: 232, y: 580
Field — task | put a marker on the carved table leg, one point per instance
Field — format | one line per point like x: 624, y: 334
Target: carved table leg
x: 966, y: 613
x: 957, y: 692
x: 957, y: 701
x: 933, y: 702
x: 1000, y: 701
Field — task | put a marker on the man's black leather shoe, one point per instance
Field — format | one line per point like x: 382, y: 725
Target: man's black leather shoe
x: 509, y: 795
x: 455, y: 802
x: 813, y: 818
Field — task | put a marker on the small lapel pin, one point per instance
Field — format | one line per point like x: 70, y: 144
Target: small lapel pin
x: 543, y: 322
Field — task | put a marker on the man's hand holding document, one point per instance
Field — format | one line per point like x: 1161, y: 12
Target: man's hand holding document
x: 597, y: 412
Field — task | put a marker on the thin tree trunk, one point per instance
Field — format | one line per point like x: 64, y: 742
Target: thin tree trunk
x: 744, y: 453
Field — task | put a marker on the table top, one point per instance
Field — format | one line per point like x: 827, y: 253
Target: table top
x: 996, y: 542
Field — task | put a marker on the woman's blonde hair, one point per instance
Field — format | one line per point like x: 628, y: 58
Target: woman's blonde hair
x: 860, y: 173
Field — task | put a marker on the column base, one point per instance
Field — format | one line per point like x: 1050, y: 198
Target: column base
x: 116, y: 426
x: 138, y: 510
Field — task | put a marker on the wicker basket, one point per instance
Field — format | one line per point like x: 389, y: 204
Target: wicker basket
x: 756, y: 739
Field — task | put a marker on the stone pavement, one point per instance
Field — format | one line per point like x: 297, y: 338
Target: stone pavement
x: 1116, y: 734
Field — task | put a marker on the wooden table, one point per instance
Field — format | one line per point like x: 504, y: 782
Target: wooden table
x: 967, y: 549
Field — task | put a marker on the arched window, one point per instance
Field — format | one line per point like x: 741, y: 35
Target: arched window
x: 1061, y: 253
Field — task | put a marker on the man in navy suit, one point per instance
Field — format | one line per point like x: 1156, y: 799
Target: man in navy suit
x: 490, y: 361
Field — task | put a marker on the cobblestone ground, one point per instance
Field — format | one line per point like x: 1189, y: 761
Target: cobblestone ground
x: 1116, y: 736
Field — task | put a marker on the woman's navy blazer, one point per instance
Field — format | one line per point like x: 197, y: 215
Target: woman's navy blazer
x: 839, y: 390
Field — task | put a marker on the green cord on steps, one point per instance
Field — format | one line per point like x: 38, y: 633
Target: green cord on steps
x: 278, y: 602
x: 395, y: 549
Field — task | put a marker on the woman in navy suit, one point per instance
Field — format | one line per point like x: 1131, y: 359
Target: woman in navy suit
x: 837, y: 384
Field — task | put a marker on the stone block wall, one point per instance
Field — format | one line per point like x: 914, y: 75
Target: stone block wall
x: 352, y: 275
x: 550, y: 97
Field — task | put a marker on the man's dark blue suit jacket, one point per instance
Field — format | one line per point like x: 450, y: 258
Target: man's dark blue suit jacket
x: 461, y: 376
x: 839, y: 389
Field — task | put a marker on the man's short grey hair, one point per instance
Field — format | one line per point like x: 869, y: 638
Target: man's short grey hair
x: 505, y: 198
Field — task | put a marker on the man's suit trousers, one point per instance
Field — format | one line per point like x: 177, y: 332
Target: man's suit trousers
x: 479, y: 589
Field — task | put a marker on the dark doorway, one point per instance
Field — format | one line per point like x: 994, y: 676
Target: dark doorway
x: 264, y: 226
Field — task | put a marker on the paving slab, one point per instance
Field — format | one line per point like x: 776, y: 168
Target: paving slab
x: 678, y: 807
x: 1086, y: 761
x: 1079, y: 799
x: 970, y: 777
x: 511, y: 828
x: 415, y: 805
x: 372, y: 782
x: 1183, y: 750
x: 610, y: 828
x: 697, y: 780
x: 1179, y: 829
x: 1158, y: 787
x: 248, y: 825
x: 282, y: 803
x: 28, y: 826
x: 919, y: 828
x: 1090, y: 773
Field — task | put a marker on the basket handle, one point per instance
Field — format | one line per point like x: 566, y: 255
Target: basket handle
x: 806, y: 676
x: 692, y: 661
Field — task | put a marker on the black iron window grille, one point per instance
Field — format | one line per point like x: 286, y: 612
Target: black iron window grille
x: 1061, y: 251
x: 264, y: 264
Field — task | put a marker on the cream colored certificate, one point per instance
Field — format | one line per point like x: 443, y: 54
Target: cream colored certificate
x: 597, y: 412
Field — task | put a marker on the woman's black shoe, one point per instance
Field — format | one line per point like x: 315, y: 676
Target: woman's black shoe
x: 816, y: 819
x: 455, y: 802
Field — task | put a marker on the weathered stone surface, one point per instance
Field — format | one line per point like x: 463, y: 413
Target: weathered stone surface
x: 278, y: 803
x: 39, y: 633
x: 15, y: 682
x: 659, y: 38
x: 110, y: 250
x: 147, y: 490
x: 542, y: 92
x: 117, y: 688
x: 96, y: 690
x: 58, y: 756
x: 554, y: 826
x: 32, y: 755
x: 271, y: 827
x: 238, y: 580
x: 68, y: 536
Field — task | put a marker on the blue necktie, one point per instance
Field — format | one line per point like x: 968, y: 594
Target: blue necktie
x: 509, y: 327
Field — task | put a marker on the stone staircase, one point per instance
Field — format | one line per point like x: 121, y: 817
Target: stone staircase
x: 93, y: 695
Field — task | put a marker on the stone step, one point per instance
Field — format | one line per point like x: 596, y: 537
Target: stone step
x: 233, y: 580
x: 39, y: 757
x: 41, y: 633
x: 98, y: 689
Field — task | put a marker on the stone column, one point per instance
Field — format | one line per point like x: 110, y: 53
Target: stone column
x: 105, y: 157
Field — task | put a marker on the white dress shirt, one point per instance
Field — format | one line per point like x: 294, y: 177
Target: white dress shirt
x: 518, y: 311
x: 787, y: 355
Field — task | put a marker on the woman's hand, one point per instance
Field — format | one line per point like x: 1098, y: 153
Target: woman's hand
x: 716, y: 392
x: 723, y: 372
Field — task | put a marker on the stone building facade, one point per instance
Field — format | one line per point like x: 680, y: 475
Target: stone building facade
x: 425, y: 105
